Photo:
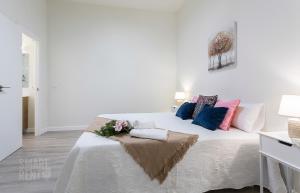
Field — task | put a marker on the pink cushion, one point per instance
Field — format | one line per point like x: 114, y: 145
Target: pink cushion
x: 194, y: 99
x: 232, y: 106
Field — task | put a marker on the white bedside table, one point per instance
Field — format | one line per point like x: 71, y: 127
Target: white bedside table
x: 278, y: 146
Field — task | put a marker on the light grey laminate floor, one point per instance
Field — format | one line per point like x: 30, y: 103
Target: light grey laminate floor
x: 35, y: 167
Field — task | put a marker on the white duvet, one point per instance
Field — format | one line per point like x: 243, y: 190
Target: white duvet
x: 220, y: 159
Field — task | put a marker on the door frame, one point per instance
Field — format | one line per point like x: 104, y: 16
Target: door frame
x: 37, y: 127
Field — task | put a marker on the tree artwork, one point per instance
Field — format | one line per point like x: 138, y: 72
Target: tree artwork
x: 221, y: 48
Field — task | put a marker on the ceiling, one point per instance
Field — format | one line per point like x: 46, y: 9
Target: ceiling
x: 155, y: 5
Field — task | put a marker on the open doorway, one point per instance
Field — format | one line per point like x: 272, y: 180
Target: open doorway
x: 29, y: 84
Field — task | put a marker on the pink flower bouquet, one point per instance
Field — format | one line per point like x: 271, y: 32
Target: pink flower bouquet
x: 114, y: 127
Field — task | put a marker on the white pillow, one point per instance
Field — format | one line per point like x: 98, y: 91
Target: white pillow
x: 249, y: 117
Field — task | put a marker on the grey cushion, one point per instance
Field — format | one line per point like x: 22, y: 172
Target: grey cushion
x: 202, y: 101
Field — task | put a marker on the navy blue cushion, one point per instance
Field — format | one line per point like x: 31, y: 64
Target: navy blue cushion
x: 186, y: 110
x: 210, y: 117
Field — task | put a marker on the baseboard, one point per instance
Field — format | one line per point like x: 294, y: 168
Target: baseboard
x: 67, y: 128
x: 31, y: 130
x: 10, y: 152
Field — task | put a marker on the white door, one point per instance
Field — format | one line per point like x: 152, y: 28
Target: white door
x: 10, y: 98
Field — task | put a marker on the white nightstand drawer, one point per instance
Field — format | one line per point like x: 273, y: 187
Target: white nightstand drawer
x: 280, y: 150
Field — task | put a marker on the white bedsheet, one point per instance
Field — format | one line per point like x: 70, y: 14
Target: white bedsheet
x: 220, y: 159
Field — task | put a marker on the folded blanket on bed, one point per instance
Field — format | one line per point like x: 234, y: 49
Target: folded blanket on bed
x: 97, y: 124
x: 157, y: 158
x: 158, y: 134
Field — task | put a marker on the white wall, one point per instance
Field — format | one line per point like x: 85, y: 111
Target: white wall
x: 31, y: 16
x: 268, y: 51
x: 108, y: 60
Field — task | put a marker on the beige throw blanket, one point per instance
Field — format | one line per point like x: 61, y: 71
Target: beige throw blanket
x: 157, y: 158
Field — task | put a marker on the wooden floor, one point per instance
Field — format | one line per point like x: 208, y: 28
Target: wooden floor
x: 35, y: 167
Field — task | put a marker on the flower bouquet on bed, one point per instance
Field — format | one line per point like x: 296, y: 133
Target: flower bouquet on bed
x: 113, y: 128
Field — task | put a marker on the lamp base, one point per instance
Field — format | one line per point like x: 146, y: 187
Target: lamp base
x: 294, y: 128
x: 179, y: 102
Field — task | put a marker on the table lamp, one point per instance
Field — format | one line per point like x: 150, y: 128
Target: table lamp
x: 290, y: 107
x: 179, y: 97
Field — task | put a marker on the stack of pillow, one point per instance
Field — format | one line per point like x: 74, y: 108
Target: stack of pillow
x: 209, y: 112
x: 212, y: 114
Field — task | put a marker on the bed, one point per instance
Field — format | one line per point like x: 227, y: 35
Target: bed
x: 219, y: 160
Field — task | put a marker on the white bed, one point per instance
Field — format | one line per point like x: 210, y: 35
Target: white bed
x: 220, y: 159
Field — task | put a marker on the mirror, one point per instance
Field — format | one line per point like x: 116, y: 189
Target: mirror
x: 25, y: 75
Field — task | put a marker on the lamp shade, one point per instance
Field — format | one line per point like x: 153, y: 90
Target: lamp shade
x: 290, y: 106
x: 179, y: 96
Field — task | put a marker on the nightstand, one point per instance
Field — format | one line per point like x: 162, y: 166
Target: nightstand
x: 278, y: 146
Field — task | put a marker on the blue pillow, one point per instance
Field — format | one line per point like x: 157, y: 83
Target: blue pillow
x: 186, y: 110
x: 210, y: 117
